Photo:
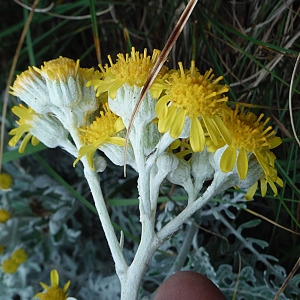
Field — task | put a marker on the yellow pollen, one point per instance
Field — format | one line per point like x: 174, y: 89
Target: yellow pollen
x: 23, y: 80
x: 103, y: 126
x: 248, y: 131
x: 59, y: 69
x: 195, y: 93
x: 132, y: 69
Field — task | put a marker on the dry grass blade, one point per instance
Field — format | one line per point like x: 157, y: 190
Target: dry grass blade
x: 11, y: 73
x: 30, y: 8
x: 212, y: 232
x: 159, y: 63
x: 282, y: 288
x: 290, y: 101
x: 238, y: 278
x: 270, y: 221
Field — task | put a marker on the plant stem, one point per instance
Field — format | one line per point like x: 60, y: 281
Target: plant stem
x: 115, y: 248
x: 94, y: 184
x: 217, y: 185
x: 185, y: 248
x: 131, y: 280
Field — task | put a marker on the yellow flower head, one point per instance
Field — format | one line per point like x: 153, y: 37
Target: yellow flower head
x: 39, y: 127
x: 103, y: 130
x: 4, y: 215
x: 9, y: 266
x: 19, y: 256
x: 133, y: 70
x: 53, y: 292
x: 58, y: 85
x: 246, y: 134
x: 63, y: 68
x: 25, y: 122
x: 5, y: 181
x: 198, y: 97
x: 31, y: 88
x: 59, y: 69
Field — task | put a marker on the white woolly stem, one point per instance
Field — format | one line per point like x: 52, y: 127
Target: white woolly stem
x: 216, y: 186
x: 113, y: 243
x: 94, y: 184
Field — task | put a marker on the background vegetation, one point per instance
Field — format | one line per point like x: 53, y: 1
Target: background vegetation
x: 253, y: 44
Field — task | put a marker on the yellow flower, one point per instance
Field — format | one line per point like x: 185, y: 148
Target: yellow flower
x: 5, y: 181
x: 19, y: 256
x: 53, y: 292
x: 198, y: 97
x: 25, y: 123
x: 4, y: 215
x: 181, y: 148
x: 248, y: 138
x: 39, y: 127
x: 31, y: 88
x: 246, y: 134
x: 132, y: 70
x: 103, y: 130
x: 58, y: 88
x: 9, y: 266
x: 66, y: 83
x: 59, y: 69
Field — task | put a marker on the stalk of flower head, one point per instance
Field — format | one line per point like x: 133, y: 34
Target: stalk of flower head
x: 183, y: 132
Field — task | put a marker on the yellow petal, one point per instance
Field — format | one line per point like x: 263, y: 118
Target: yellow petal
x: 165, y: 124
x: 263, y: 186
x: 161, y: 108
x: 34, y: 141
x: 197, y: 138
x: 212, y: 130
x: 116, y: 141
x: 66, y: 286
x: 119, y: 125
x: 274, y: 141
x: 279, y: 182
x: 251, y: 191
x: 228, y: 159
x: 273, y: 187
x: 89, y: 151
x: 242, y: 164
x: 156, y: 89
x: 223, y: 130
x: 44, y: 286
x: 25, y: 142
x: 54, y: 278
x: 178, y: 122
x: 264, y: 164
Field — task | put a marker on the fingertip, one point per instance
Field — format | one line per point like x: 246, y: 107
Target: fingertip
x: 188, y: 285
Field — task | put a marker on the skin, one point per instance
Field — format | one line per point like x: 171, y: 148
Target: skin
x: 188, y: 285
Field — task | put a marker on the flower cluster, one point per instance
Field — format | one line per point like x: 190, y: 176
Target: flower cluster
x: 58, y: 101
x: 185, y: 112
x: 186, y: 98
x: 4, y: 215
x: 6, y: 181
x: 11, y: 264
